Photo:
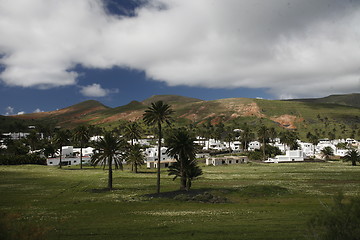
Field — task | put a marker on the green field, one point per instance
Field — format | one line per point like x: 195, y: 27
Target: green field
x: 263, y: 201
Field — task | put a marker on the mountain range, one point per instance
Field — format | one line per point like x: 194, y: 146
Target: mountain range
x: 301, y: 114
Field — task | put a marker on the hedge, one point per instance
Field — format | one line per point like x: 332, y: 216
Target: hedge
x: 6, y: 159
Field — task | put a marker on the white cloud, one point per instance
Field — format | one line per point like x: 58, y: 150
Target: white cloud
x: 95, y: 90
x: 21, y: 113
x: 38, y: 110
x: 9, y: 111
x: 292, y: 48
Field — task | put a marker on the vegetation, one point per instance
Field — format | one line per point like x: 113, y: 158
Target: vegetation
x: 181, y: 146
x: 6, y: 159
x: 110, y: 150
x: 157, y: 114
x: 352, y: 156
x: 263, y: 201
x: 339, y: 221
x: 82, y: 136
x: 62, y: 137
x: 327, y: 152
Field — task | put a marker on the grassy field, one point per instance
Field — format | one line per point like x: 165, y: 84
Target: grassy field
x: 263, y: 201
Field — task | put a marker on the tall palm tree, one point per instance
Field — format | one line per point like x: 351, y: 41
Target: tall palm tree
x: 352, y: 156
x: 109, y: 149
x: 263, y: 134
x: 157, y: 114
x: 82, y: 136
x: 181, y: 146
x: 61, y: 138
x: 246, y: 136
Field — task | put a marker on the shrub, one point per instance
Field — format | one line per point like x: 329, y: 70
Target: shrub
x: 338, y: 222
x: 6, y: 159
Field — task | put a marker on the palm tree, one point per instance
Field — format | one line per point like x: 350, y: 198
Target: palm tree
x: 33, y: 140
x: 109, y: 149
x: 158, y: 113
x: 61, y: 138
x: 263, y: 134
x: 82, y: 136
x: 132, y: 132
x: 352, y: 156
x: 135, y: 157
x: 326, y: 152
x: 246, y: 136
x: 181, y: 146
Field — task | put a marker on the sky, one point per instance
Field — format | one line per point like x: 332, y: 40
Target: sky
x: 54, y: 54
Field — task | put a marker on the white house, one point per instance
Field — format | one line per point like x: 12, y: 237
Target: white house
x: 216, y: 161
x: 290, y: 156
x: 151, y: 154
x: 163, y: 164
x: 254, y: 145
x: 307, y: 148
x: 67, y: 161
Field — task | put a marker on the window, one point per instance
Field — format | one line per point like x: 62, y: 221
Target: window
x: 50, y: 162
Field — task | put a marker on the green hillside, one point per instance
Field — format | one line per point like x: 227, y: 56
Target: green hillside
x: 347, y: 100
x: 323, y: 119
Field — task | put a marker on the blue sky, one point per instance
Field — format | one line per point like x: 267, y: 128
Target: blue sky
x: 56, y: 54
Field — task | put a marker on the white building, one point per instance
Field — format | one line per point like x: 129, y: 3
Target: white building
x: 163, y: 164
x: 254, y: 145
x: 307, y: 148
x: 216, y: 161
x: 290, y: 156
x: 67, y: 161
x: 151, y: 154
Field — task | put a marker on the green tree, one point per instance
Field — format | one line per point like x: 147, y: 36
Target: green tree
x: 135, y: 157
x: 246, y: 136
x: 181, y: 146
x: 61, y: 138
x: 33, y: 140
x: 108, y: 150
x: 157, y: 114
x: 263, y: 135
x: 290, y: 139
x: 132, y: 132
x: 327, y: 152
x: 82, y: 136
x: 352, y: 156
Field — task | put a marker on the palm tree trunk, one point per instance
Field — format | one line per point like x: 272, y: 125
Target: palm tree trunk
x: 60, y: 162
x: 183, y: 176
x: 132, y: 164
x: 81, y: 156
x: 264, y: 149
x: 110, y: 174
x: 159, y: 159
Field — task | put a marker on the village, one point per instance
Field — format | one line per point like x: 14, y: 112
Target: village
x: 211, y: 151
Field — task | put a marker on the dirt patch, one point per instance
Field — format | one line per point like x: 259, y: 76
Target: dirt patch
x: 287, y: 121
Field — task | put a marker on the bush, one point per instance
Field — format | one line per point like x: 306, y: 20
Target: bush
x: 7, y: 159
x: 338, y: 222
x: 255, y: 155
